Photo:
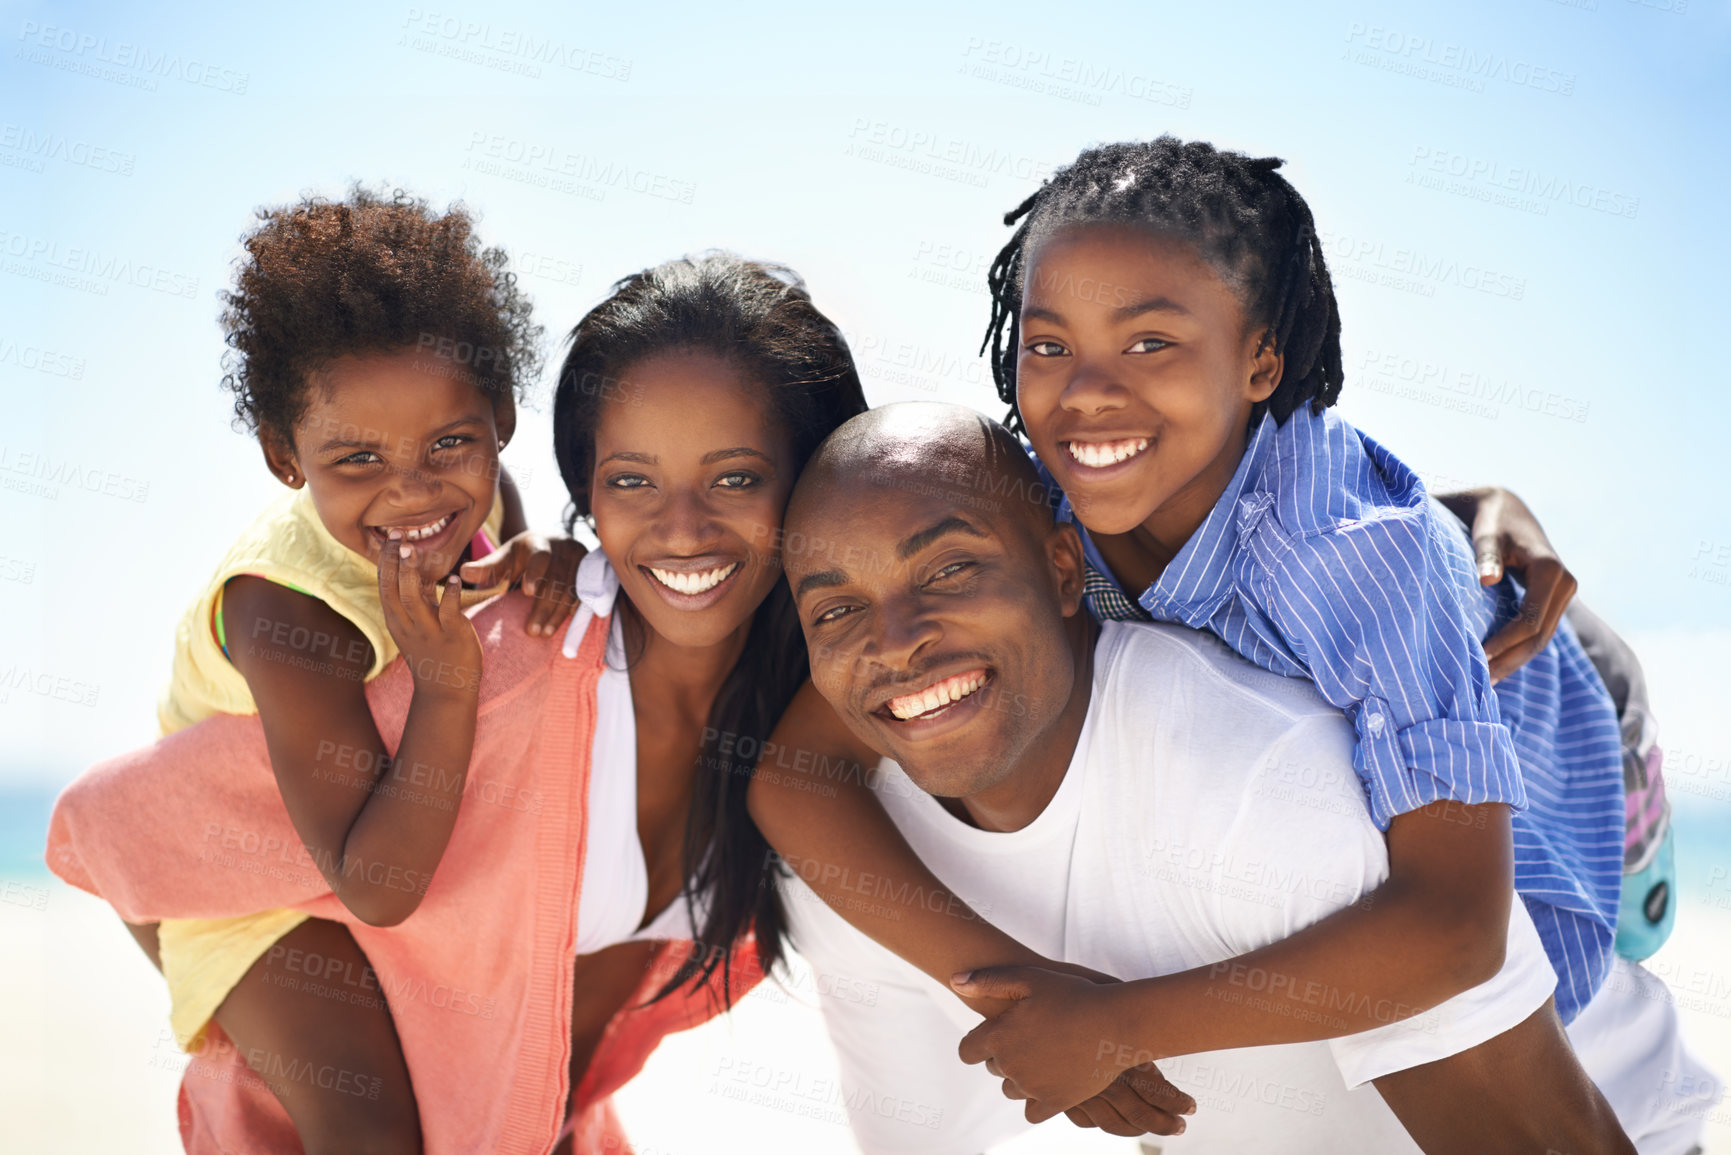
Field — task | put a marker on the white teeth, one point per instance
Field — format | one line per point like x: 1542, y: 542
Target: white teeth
x: 1098, y: 454
x: 693, y: 583
x: 932, y: 697
x: 421, y: 532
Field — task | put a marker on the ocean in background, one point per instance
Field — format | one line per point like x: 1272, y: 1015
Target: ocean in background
x: 24, y: 830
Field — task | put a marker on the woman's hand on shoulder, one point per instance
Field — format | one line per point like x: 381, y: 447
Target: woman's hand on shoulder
x: 547, y: 568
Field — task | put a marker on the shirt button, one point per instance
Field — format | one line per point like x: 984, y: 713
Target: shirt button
x: 1375, y: 723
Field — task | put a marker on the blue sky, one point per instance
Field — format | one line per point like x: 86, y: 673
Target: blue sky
x: 1522, y: 202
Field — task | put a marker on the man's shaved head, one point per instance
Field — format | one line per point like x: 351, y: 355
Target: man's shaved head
x: 933, y: 448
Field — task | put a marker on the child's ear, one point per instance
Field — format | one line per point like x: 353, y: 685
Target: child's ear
x: 505, y: 416
x: 1266, y: 367
x: 279, y: 458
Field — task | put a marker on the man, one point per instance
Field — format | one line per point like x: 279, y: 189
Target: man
x: 1136, y: 800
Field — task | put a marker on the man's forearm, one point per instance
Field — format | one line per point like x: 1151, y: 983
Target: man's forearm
x: 1522, y: 1091
x: 1369, y: 965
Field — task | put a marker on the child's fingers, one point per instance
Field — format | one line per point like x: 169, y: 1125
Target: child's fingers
x: 1079, y: 1116
x: 451, y: 605
x: 390, y: 594
x: 555, y: 607
x: 502, y: 565
x: 551, y: 609
x: 1098, y: 1112
x: 1153, y: 1088
x: 534, y: 570
x: 1139, y: 1114
x: 419, y: 604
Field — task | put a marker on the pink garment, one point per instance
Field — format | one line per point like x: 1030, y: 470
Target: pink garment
x: 478, y: 978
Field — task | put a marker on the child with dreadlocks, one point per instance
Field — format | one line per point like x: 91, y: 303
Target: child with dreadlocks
x: 1182, y: 406
x: 1166, y: 333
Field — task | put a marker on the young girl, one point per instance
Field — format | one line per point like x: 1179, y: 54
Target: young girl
x: 376, y: 349
x: 1166, y: 333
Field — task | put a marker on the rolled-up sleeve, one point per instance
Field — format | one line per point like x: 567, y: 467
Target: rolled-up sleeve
x: 1372, y: 609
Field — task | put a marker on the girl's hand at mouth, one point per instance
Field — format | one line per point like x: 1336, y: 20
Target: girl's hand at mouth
x: 435, y: 637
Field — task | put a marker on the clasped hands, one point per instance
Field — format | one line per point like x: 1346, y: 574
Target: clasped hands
x: 1057, y: 1046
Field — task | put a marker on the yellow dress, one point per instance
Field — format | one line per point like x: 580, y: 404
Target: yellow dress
x: 203, y: 959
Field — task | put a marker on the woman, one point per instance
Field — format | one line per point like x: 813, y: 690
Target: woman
x: 686, y: 407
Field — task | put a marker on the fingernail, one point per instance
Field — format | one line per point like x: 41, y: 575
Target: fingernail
x: 961, y: 978
x: 405, y: 550
x: 394, y: 534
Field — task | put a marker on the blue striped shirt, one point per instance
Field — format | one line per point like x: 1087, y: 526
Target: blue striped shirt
x: 1325, y: 559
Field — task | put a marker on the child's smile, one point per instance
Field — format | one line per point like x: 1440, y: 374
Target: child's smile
x: 428, y: 534
x: 396, y: 443
x: 1098, y: 456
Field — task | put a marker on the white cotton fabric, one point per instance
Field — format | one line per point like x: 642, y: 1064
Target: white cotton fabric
x: 1627, y: 1039
x: 615, y: 884
x: 1210, y: 808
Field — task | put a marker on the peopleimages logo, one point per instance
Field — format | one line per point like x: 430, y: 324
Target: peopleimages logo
x: 1545, y: 188
x: 135, y: 64
x: 1457, y: 65
x: 1410, y: 268
x: 45, y: 146
x: 88, y: 269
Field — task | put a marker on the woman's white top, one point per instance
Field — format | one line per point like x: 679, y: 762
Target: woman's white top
x: 615, y: 884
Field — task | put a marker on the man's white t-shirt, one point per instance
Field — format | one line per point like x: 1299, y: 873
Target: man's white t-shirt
x: 1210, y: 808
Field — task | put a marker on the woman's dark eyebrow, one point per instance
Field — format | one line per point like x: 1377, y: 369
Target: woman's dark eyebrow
x: 737, y: 451
x: 627, y: 455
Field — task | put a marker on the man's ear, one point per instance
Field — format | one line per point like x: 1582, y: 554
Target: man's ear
x: 279, y: 458
x: 1266, y: 368
x: 1069, y: 565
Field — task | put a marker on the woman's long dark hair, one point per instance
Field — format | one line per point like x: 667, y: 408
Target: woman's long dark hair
x: 760, y: 317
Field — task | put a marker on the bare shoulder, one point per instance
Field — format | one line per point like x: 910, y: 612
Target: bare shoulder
x: 279, y: 638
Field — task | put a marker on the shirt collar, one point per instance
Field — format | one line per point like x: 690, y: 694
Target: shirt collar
x: 1195, y: 582
x: 597, y: 590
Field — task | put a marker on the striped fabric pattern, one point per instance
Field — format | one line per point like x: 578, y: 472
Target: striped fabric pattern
x: 1325, y: 559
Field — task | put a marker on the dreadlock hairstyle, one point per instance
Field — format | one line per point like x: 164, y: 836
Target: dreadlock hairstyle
x: 1247, y: 222
x: 760, y: 317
